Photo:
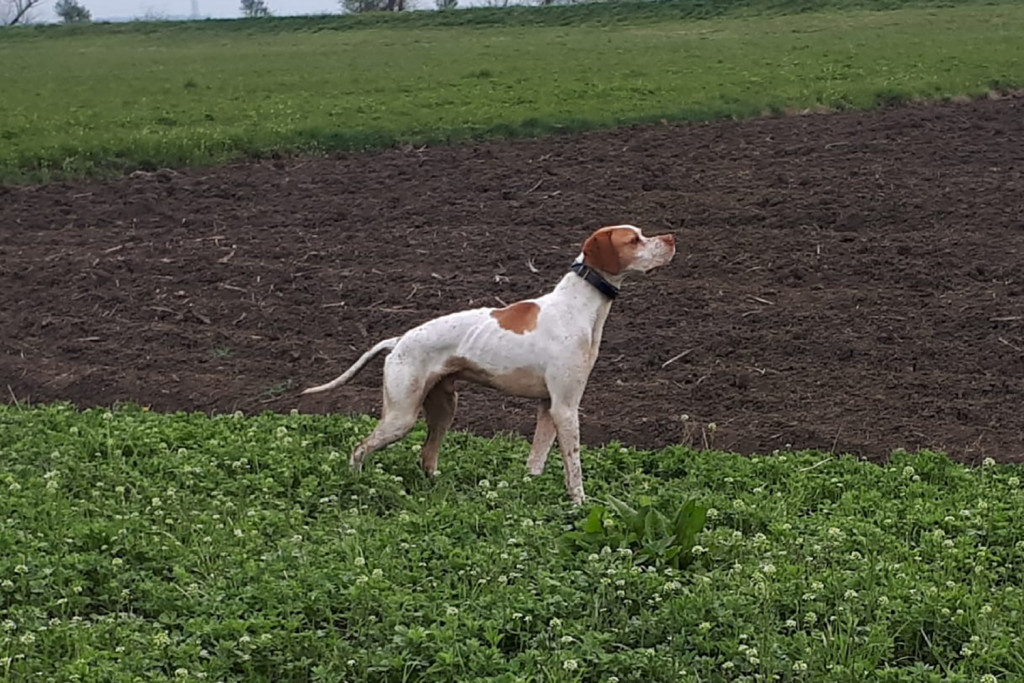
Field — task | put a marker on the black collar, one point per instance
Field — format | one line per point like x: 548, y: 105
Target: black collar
x: 595, y: 278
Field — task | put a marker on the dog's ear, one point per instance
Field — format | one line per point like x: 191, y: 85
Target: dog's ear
x: 601, y: 252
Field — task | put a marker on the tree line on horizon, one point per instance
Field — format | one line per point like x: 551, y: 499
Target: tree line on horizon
x: 14, y: 12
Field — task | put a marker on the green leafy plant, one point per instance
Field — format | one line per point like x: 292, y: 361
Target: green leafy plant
x: 655, y: 539
x: 136, y: 545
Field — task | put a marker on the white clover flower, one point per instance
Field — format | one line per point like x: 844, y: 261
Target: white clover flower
x: 790, y: 623
x: 989, y: 678
x: 799, y: 666
x: 883, y: 601
x: 181, y: 673
x: 965, y: 650
x: 484, y: 484
x: 570, y: 665
x: 27, y: 639
x: 567, y: 639
x: 1013, y: 481
x: 117, y: 562
x: 856, y: 556
x: 359, y: 561
x: 908, y: 471
x: 239, y: 533
x: 21, y: 569
x: 362, y: 579
x: 728, y: 666
x: 768, y: 568
x: 698, y: 550
x: 988, y: 462
x: 555, y: 622
x: 671, y: 586
x: 986, y: 609
x: 810, y: 618
x: 817, y: 585
x: 593, y: 557
x: 835, y: 531
x: 850, y: 594
x: 452, y: 611
x: 7, y: 585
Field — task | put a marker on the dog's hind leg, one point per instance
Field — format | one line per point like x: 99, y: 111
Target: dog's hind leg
x: 403, y: 392
x: 543, y: 437
x: 439, y: 409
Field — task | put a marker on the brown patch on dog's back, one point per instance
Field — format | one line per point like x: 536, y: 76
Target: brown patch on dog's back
x: 610, y: 250
x: 519, y: 318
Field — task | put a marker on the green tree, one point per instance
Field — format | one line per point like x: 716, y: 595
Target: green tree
x: 447, y: 4
x: 254, y: 9
x: 72, y: 12
x: 360, y: 6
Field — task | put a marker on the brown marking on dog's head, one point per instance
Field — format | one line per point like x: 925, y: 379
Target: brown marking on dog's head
x: 611, y: 250
x: 519, y: 318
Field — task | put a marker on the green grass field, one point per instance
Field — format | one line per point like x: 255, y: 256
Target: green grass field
x: 109, y: 99
x: 138, y: 546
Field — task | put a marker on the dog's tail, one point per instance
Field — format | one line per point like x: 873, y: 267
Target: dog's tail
x: 386, y: 345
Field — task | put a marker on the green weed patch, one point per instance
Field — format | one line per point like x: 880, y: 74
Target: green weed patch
x: 139, y: 546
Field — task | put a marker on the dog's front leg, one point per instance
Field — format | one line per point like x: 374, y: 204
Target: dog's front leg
x: 567, y: 425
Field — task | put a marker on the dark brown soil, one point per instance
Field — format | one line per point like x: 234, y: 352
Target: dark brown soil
x: 850, y: 282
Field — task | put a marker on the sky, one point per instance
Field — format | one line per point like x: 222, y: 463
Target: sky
x: 129, y: 9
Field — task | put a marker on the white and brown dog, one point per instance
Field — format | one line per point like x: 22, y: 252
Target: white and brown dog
x: 541, y: 348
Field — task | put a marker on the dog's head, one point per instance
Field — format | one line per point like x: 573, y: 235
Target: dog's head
x: 619, y: 249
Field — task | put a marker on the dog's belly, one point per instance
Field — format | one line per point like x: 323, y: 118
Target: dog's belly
x: 525, y: 382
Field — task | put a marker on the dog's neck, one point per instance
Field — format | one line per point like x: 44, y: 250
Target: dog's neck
x: 596, y: 279
x: 587, y: 302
